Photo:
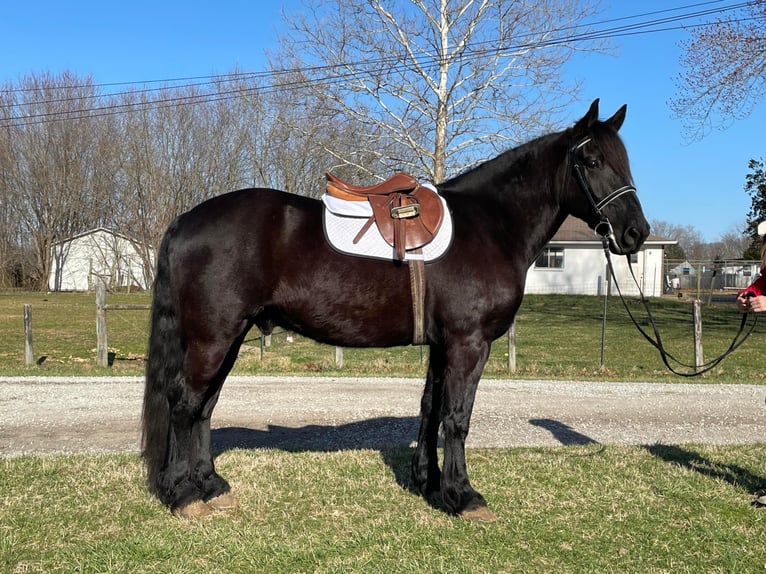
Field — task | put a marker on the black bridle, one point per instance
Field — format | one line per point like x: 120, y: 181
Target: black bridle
x: 604, y: 230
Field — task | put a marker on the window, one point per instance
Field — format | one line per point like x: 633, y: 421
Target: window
x: 550, y: 258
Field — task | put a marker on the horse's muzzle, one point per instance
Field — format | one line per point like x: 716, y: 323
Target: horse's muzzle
x: 630, y: 241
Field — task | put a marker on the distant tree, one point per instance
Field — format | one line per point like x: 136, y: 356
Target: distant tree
x: 54, y: 166
x: 173, y: 157
x: 690, y: 245
x: 733, y: 245
x: 724, y: 70
x: 674, y: 251
x: 432, y: 85
x: 289, y: 137
x: 755, y: 186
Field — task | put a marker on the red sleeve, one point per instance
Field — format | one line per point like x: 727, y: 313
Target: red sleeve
x: 758, y: 287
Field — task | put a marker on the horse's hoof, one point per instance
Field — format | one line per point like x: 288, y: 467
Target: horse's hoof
x: 225, y: 501
x: 479, y: 514
x: 196, y: 509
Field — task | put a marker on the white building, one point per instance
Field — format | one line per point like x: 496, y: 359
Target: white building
x: 574, y: 263
x: 98, y: 254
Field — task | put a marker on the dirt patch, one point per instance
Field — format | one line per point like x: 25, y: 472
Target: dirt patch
x: 73, y: 415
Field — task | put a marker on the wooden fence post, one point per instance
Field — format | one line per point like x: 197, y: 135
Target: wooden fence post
x: 512, y: 347
x: 698, y: 357
x: 29, y: 355
x: 607, y: 293
x: 339, y: 357
x: 102, y: 355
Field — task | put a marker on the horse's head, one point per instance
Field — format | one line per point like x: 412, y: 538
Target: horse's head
x: 600, y: 186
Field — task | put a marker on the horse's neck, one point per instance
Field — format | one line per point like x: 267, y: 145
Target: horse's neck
x: 521, y: 192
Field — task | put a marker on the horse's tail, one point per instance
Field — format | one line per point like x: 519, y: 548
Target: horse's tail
x: 163, y: 367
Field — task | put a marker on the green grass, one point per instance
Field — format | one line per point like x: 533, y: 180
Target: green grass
x: 565, y: 509
x: 558, y: 337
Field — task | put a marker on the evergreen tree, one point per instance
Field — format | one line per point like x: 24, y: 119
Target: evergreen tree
x: 755, y: 186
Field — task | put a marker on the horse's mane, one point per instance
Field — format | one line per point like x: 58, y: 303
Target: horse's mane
x: 499, y: 170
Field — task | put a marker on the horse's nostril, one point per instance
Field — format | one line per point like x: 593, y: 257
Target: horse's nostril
x: 632, y: 237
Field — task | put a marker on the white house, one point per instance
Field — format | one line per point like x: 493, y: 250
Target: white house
x: 98, y: 254
x: 573, y: 262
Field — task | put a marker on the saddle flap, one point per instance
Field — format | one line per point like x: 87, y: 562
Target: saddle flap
x: 416, y: 230
x: 354, y: 233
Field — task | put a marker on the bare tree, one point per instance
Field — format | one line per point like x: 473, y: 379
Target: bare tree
x: 276, y: 154
x: 14, y: 252
x: 724, y: 70
x: 690, y: 244
x: 52, y: 169
x: 179, y: 147
x: 71, y: 159
x: 431, y: 86
x: 732, y: 244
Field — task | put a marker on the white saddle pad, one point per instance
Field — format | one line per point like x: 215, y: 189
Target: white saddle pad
x: 344, y: 219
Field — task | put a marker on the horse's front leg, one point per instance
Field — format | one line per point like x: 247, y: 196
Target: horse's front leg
x: 465, y: 362
x: 426, y: 475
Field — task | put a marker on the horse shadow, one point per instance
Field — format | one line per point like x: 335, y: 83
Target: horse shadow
x: 563, y: 433
x: 731, y: 473
x: 393, y: 437
x: 734, y: 475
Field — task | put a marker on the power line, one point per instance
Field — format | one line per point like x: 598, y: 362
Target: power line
x: 195, y: 80
x: 658, y: 21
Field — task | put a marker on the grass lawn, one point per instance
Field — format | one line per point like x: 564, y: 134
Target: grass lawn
x: 565, y: 509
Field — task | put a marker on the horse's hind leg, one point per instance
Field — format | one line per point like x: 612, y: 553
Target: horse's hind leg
x: 205, y: 368
x: 182, y: 494
x: 215, y: 489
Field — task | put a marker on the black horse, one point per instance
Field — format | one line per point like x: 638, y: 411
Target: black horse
x: 259, y: 257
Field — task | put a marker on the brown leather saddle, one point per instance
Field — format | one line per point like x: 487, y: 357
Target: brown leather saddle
x: 407, y: 214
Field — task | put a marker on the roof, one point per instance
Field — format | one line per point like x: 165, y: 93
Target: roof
x: 93, y: 232
x: 575, y: 230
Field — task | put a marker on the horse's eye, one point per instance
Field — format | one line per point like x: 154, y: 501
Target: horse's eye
x: 592, y: 163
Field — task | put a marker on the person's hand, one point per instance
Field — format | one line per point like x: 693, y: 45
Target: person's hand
x: 743, y: 303
x: 752, y: 303
x: 758, y: 304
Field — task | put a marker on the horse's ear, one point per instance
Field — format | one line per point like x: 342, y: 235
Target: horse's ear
x: 588, y: 119
x: 615, y: 122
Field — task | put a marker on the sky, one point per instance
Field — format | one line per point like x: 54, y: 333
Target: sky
x: 700, y: 184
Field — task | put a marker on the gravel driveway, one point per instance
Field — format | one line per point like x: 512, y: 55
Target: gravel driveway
x: 70, y: 415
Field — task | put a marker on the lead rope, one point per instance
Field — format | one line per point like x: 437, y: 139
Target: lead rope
x: 657, y: 341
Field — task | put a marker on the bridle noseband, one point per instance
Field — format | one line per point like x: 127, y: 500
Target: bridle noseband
x: 603, y: 228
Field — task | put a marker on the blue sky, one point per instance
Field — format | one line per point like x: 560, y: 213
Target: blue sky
x: 698, y: 184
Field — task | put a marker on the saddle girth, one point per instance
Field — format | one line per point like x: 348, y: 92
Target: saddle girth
x: 408, y: 216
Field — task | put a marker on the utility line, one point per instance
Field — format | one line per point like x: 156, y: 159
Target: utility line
x: 660, y: 21
x: 208, y: 80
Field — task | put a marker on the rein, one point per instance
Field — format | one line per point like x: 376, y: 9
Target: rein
x: 656, y: 342
x: 604, y: 230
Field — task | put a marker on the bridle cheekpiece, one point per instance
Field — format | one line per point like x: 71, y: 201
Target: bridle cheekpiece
x: 603, y: 228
